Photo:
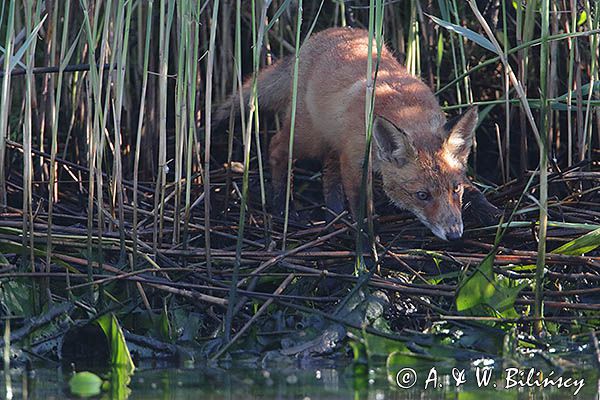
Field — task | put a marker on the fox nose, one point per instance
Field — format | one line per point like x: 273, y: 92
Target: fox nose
x: 454, y: 234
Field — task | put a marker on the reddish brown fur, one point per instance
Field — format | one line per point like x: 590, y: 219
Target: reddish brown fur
x: 414, y: 151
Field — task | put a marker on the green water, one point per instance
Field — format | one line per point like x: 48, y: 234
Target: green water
x: 284, y: 382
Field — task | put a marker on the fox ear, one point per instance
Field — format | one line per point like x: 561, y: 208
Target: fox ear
x: 391, y: 143
x: 461, y: 132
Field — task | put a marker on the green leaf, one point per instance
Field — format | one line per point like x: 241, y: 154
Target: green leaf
x: 581, y: 245
x: 503, y: 300
x: 278, y: 13
x: 15, y: 297
x: 585, y: 91
x: 164, y: 325
x: 482, y: 337
x: 118, y: 387
x: 434, y: 280
x: 440, y: 50
x: 582, y: 18
x: 67, y: 58
x: 406, y: 359
x: 85, y: 384
x: 524, y: 3
x: 378, y: 346
x: 465, y: 32
x: 15, y: 247
x: 360, y: 365
x: 119, y: 352
x: 402, y: 359
x: 19, y: 54
x: 359, y: 351
x: 478, y: 287
x: 186, y: 324
x: 523, y: 268
x: 3, y: 51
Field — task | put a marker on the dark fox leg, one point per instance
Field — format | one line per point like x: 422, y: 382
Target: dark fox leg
x: 350, y: 183
x: 332, y: 186
x: 278, y: 160
x: 352, y: 187
x: 476, y: 206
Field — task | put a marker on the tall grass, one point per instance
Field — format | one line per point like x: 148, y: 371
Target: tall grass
x: 165, y: 23
x: 31, y: 17
x: 52, y: 184
x: 5, y: 95
x: 288, y: 187
x: 366, y: 199
x: 257, y: 36
x: 207, y: 131
x: 545, y: 116
x: 138, y: 141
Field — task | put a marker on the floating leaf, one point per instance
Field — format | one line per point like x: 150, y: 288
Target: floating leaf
x: 467, y: 33
x: 581, y: 245
x: 408, y: 362
x: 85, y: 384
x: 478, y: 287
x: 378, y: 346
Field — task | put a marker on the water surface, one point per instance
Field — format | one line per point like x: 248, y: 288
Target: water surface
x: 290, y: 381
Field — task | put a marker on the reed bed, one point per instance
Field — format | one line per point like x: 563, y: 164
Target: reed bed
x: 118, y: 197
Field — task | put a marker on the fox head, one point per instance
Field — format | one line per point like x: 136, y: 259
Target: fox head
x: 427, y: 179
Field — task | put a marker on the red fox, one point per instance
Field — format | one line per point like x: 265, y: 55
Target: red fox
x: 420, y: 156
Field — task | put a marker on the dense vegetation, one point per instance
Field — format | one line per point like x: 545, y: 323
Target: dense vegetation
x: 126, y: 219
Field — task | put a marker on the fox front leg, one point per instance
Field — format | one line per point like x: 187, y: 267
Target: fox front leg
x: 350, y: 182
x: 475, y: 205
x: 332, y: 187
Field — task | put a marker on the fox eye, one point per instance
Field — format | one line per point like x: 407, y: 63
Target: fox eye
x: 423, y: 195
x: 457, y: 187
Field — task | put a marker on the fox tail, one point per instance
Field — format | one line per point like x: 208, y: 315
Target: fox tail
x: 273, y: 87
